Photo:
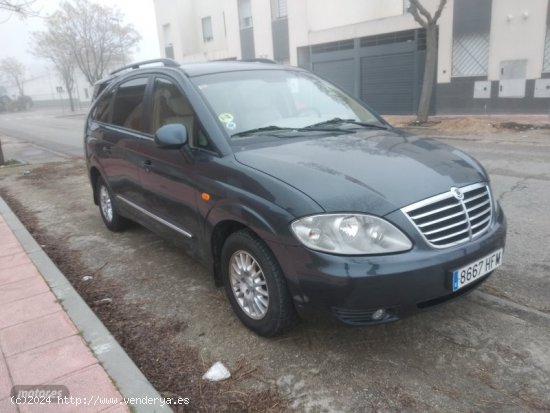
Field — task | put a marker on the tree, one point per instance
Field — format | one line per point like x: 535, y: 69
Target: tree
x: 21, y: 7
x: 48, y: 46
x: 14, y: 70
x: 428, y: 22
x: 94, y: 35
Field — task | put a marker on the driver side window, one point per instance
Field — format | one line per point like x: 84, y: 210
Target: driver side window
x: 170, y: 106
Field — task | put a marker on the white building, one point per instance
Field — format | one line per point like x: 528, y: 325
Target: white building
x: 46, y: 89
x: 493, y: 55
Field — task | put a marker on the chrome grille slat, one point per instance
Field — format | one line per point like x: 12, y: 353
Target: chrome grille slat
x: 479, y: 206
x: 481, y: 223
x: 435, y: 231
x: 435, y: 211
x: 451, y: 227
x: 480, y: 214
x: 435, y: 221
x: 475, y: 197
x: 450, y: 236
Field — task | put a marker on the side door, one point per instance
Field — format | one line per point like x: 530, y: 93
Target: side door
x: 167, y: 175
x: 121, y: 139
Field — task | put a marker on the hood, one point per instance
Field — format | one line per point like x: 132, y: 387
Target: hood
x: 373, y: 172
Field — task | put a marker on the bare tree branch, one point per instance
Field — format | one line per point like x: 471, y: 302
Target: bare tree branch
x: 418, y: 17
x: 14, y: 70
x: 439, y: 10
x: 95, y: 35
x: 417, y: 6
x: 48, y: 46
x: 23, y: 8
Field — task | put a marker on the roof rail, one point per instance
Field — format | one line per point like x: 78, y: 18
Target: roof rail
x: 260, y: 60
x: 137, y: 65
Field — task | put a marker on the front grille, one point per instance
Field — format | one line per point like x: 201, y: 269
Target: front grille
x: 445, y: 220
x: 363, y: 317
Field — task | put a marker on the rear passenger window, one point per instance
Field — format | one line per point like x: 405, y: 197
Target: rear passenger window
x: 129, y: 103
x: 102, y: 109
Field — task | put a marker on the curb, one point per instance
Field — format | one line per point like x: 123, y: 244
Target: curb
x: 128, y: 379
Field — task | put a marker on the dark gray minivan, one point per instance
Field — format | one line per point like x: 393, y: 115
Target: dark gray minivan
x: 299, y: 198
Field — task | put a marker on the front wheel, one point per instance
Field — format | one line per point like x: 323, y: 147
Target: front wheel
x: 255, y: 285
x: 111, y: 218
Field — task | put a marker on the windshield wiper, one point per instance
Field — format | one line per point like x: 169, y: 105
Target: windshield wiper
x: 339, y: 121
x: 271, y: 128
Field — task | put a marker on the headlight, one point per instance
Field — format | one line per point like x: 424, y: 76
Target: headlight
x: 350, y: 234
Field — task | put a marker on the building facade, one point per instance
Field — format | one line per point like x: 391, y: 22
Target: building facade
x: 493, y: 55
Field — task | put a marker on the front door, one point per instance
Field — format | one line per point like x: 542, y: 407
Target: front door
x: 167, y: 175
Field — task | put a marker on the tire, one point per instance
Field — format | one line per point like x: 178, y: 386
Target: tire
x: 111, y: 218
x: 272, y: 311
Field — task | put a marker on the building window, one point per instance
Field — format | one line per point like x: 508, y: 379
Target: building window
x: 406, y: 6
x: 471, y: 37
x: 207, y: 35
x: 279, y: 9
x: 546, y: 64
x: 245, y: 14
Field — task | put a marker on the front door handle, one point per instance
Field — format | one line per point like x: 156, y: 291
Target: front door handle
x: 147, y: 165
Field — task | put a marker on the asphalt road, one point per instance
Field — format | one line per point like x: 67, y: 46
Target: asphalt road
x: 57, y: 131
x: 487, y: 352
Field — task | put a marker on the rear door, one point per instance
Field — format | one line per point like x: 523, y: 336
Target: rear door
x: 122, y: 136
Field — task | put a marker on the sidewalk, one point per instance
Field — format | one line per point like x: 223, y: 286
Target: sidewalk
x: 40, y: 344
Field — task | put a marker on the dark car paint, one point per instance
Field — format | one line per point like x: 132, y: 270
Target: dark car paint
x: 351, y: 173
x: 265, y: 186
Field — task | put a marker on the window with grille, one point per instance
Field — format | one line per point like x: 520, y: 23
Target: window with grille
x: 546, y: 66
x: 207, y: 34
x: 279, y: 9
x: 245, y: 14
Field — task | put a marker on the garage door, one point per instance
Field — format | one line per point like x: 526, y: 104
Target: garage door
x: 388, y: 83
x: 339, y: 72
x: 384, y: 70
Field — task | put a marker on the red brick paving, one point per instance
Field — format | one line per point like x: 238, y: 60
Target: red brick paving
x: 38, y: 342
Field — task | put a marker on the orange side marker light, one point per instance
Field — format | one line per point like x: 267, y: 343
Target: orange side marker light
x: 205, y: 196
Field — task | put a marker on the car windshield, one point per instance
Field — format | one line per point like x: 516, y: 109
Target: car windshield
x: 274, y: 101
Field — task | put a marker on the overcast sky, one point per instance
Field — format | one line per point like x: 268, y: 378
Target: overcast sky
x: 15, y: 32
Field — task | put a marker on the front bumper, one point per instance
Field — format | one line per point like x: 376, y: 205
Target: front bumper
x: 351, y: 288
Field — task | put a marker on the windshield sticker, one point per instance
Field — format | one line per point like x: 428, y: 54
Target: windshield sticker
x: 225, y: 117
x: 231, y: 125
x: 293, y: 86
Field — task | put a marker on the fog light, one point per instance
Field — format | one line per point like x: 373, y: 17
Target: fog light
x: 379, y: 314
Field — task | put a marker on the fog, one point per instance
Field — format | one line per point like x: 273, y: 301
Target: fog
x: 15, y: 31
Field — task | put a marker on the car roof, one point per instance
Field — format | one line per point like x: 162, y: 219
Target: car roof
x: 189, y: 69
x: 207, y: 68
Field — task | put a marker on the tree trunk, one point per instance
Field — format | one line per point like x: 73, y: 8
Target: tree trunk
x: 429, y: 74
x: 71, y: 101
x: 69, y: 88
x: 1, y: 154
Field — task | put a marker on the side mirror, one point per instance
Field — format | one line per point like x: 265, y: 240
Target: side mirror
x: 172, y: 136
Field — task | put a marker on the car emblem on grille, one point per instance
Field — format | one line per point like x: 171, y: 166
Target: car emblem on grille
x: 457, y: 193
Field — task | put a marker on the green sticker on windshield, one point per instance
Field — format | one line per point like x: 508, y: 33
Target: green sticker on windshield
x: 225, y: 117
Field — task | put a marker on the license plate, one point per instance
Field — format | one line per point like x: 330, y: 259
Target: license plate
x: 474, y: 271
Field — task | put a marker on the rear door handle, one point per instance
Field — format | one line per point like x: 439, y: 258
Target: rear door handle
x: 147, y: 165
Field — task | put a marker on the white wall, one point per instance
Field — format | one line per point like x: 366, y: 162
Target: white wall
x: 514, y: 36
x: 185, y: 20
x: 42, y: 86
x: 261, y: 18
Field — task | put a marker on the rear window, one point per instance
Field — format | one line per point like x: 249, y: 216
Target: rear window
x: 129, y: 104
x: 102, y: 109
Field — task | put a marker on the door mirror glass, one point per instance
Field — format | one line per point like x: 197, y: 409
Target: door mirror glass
x: 171, y: 136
